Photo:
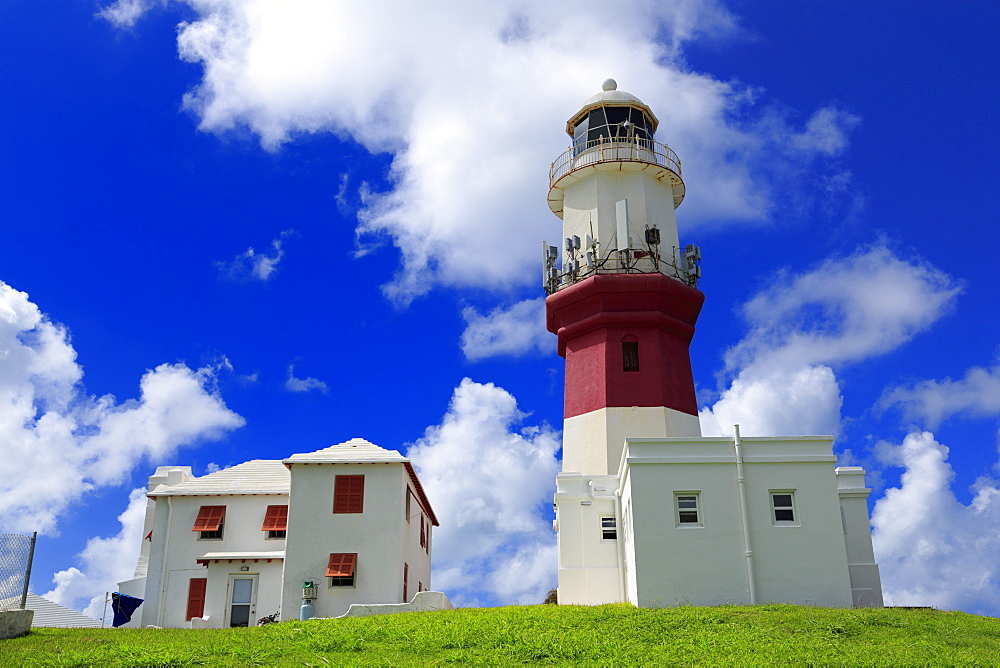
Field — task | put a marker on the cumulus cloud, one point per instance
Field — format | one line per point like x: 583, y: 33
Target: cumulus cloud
x: 124, y: 13
x: 49, y: 423
x: 253, y: 265
x: 932, y: 401
x: 506, y: 331
x: 489, y: 480
x: 472, y: 107
x: 103, y: 563
x: 931, y: 548
x: 845, y: 310
x: 293, y: 384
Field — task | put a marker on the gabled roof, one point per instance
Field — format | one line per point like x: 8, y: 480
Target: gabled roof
x: 51, y: 614
x: 360, y: 451
x: 258, y: 476
x: 354, y: 451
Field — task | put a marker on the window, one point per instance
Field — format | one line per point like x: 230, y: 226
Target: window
x: 783, y: 507
x: 276, y: 521
x: 688, y: 510
x: 348, y: 494
x: 406, y: 513
x: 209, y: 522
x: 630, y: 354
x: 423, y: 534
x: 406, y: 576
x: 340, y: 569
x: 609, y: 530
x: 196, y: 598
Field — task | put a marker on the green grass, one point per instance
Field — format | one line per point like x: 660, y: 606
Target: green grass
x: 545, y: 634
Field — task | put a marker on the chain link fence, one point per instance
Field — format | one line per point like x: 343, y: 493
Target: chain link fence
x: 16, y: 553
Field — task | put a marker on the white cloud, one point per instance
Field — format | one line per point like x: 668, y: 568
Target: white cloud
x: 254, y: 265
x: 489, y: 483
x: 473, y: 105
x: 103, y: 563
x: 931, y: 548
x: 845, y: 310
x: 293, y: 384
x: 790, y: 402
x: 60, y: 442
x: 124, y: 13
x: 932, y: 401
x: 512, y: 331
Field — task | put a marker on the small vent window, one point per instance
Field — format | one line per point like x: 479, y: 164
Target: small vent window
x: 609, y: 529
x: 688, y: 509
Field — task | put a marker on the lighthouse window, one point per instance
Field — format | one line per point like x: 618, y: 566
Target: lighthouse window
x: 630, y: 355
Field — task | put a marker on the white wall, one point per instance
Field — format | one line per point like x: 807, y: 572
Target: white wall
x: 176, y: 548
x: 588, y: 564
x: 380, y: 536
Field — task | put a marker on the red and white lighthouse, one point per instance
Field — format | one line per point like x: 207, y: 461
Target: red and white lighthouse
x: 623, y: 303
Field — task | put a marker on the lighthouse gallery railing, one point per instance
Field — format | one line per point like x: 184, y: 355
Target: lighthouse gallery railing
x: 601, y: 150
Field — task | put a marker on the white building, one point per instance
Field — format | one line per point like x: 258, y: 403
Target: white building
x: 647, y: 510
x: 229, y: 547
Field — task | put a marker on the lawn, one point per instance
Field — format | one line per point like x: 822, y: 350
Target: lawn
x: 545, y: 634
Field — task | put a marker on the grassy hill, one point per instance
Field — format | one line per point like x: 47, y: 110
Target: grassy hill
x: 545, y: 634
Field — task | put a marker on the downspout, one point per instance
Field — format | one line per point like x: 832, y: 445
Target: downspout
x: 741, y: 486
x: 166, y: 554
x: 619, y: 541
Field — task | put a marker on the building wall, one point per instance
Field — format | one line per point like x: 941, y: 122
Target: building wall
x: 379, y: 535
x: 665, y: 562
x: 173, y: 557
x: 805, y: 562
x: 588, y: 564
x: 866, y: 583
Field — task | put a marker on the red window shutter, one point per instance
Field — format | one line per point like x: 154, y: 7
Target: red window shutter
x: 341, y: 565
x: 209, y: 518
x: 427, y: 540
x: 349, y: 494
x: 406, y: 575
x: 196, y: 597
x: 275, y: 519
x: 423, y: 535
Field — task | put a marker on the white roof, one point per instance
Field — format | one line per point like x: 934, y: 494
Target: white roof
x: 354, y: 451
x: 257, y: 476
x: 51, y: 614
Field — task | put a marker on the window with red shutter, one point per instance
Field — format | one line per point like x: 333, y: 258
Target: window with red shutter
x: 340, y: 569
x: 196, y: 597
x: 348, y: 494
x: 406, y: 575
x: 209, y: 521
x: 275, y: 521
x: 423, y: 534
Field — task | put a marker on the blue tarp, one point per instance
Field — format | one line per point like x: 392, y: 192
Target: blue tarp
x: 124, y: 606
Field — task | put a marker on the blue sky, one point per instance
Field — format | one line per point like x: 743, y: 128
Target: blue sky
x: 235, y: 230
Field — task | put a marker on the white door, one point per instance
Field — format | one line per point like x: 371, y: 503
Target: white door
x: 242, y: 599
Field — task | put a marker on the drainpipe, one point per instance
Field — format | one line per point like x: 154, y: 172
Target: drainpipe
x: 741, y: 485
x: 620, y: 543
x: 166, y: 554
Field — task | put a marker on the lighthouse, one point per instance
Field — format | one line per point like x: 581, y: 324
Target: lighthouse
x: 648, y: 511
x: 624, y: 303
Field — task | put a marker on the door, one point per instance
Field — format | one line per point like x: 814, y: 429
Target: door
x: 242, y: 595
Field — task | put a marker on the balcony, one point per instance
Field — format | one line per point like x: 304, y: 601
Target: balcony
x: 632, y: 154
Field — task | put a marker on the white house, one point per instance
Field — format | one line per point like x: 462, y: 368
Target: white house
x: 647, y: 510
x: 230, y: 547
